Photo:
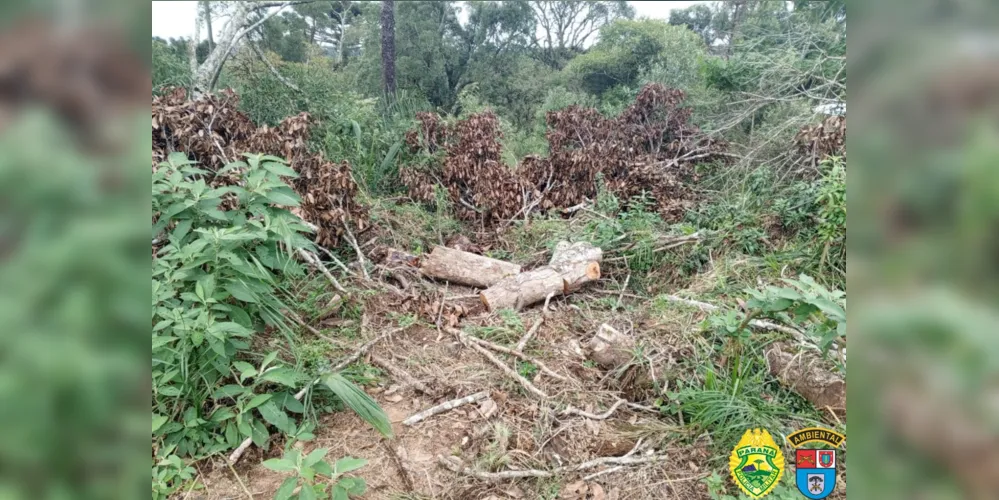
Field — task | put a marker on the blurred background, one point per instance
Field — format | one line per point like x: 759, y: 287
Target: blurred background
x: 74, y: 218
x: 923, y: 249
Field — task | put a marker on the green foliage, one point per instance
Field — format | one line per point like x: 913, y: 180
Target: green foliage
x: 628, y: 47
x: 213, y: 282
x: 170, y: 66
x: 811, y: 307
x: 214, y: 286
x: 309, y: 468
x: 831, y: 199
x: 170, y: 474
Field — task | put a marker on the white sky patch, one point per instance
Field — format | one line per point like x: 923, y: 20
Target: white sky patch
x: 176, y: 19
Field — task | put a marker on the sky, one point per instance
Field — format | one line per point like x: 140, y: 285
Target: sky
x: 176, y: 19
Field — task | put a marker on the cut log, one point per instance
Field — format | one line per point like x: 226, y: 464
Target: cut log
x: 807, y: 375
x: 466, y: 268
x: 571, y: 266
x: 610, y: 348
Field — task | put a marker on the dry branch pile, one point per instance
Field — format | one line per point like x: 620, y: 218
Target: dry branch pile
x: 818, y: 141
x: 479, y: 185
x: 212, y: 131
x: 649, y: 147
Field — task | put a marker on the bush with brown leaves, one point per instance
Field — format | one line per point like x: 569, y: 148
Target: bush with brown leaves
x: 213, y: 132
x: 815, y: 142
x: 650, y: 147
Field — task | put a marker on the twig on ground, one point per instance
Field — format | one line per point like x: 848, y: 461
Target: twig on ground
x: 544, y: 309
x: 623, y: 288
x: 365, y: 348
x: 360, y: 254
x: 337, y: 261
x: 314, y: 260
x: 294, y: 317
x: 397, y: 372
x: 518, y: 354
x: 526, y: 384
x: 593, y: 416
x: 530, y: 333
x: 446, y: 406
x: 463, y: 297
x: 398, y: 466
x: 240, y: 481
x: 615, y: 468
x: 454, y: 464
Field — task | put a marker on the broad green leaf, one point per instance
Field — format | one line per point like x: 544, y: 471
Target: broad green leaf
x: 259, y: 433
x: 171, y: 391
x: 271, y: 356
x: 158, y: 421
x: 283, y: 196
x: 323, y: 468
x: 348, y: 464
x: 283, y: 376
x: 240, y: 291
x: 354, y: 485
x: 288, y: 486
x: 280, y: 169
x: 257, y: 400
x: 279, y: 465
x: 340, y: 493
x: 229, y: 391
x: 359, y: 401
x: 307, y: 493
x: 246, y: 370
x: 316, y: 455
x: 276, y: 417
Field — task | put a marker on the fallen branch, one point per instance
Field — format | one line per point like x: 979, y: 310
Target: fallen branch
x: 592, y: 416
x: 455, y: 465
x: 617, y: 467
x: 360, y: 255
x: 446, y: 406
x: 526, y: 384
x: 397, y: 372
x: 530, y: 333
x: 365, y: 348
x: 314, y: 260
x: 520, y: 355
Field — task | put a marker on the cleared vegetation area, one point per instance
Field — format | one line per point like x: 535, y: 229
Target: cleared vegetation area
x: 576, y: 271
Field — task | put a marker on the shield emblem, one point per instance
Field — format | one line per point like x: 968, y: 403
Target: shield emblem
x: 816, y: 472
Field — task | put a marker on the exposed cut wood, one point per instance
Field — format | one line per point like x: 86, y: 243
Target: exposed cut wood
x: 465, y: 268
x: 571, y: 266
x: 610, y: 348
x: 807, y: 375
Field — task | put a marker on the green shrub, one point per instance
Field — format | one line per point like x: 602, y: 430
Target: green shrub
x: 213, y: 289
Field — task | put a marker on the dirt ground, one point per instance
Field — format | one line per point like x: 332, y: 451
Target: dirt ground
x: 513, y: 429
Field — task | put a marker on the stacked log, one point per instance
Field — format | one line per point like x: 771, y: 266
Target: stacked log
x: 506, y: 285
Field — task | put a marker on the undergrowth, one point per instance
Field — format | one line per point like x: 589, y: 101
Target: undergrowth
x: 215, y: 295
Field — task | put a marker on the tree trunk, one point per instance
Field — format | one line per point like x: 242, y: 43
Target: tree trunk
x: 570, y: 268
x: 388, y: 46
x: 807, y: 375
x: 466, y: 268
x: 208, y: 24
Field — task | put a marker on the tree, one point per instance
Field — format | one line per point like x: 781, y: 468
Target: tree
x: 698, y: 19
x: 565, y: 27
x: 627, y: 48
x: 204, y: 75
x: 388, y: 46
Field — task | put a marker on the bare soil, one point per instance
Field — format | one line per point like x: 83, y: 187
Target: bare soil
x: 512, y: 429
